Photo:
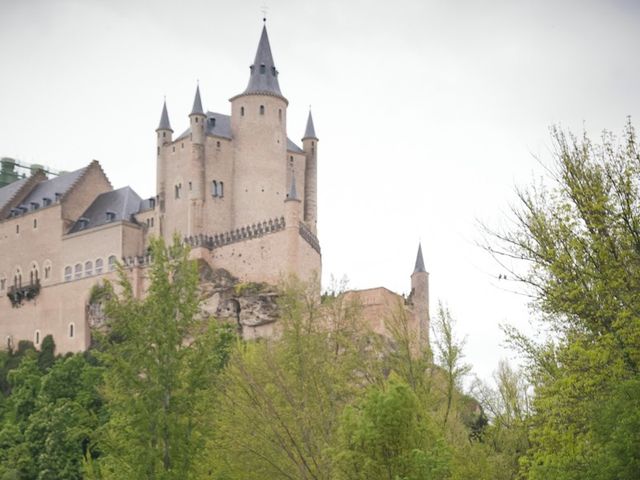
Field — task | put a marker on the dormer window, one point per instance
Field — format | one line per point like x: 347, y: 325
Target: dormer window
x: 83, y: 222
x: 23, y: 209
x: 212, y: 121
x: 46, y: 201
x: 58, y: 196
x: 152, y: 202
x: 34, y: 205
x: 263, y: 68
x: 111, y: 216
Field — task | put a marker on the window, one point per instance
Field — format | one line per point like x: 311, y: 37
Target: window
x: 190, y: 186
x: 37, y: 337
x: 214, y: 189
x: 17, y: 278
x: 47, y: 270
x: 18, y: 229
x: 46, y: 201
x: 35, y: 223
x: 88, y: 269
x: 261, y: 109
x: 78, y: 271
x: 177, y: 189
x: 242, y: 111
x: 221, y: 190
x: 112, y: 263
x: 280, y: 114
x: 111, y: 216
x: 67, y: 274
x: 218, y: 144
x: 98, y: 266
x: 3, y: 284
x: 34, y: 275
x: 71, y: 330
x: 263, y: 68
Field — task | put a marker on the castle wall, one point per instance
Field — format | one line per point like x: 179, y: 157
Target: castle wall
x: 218, y: 209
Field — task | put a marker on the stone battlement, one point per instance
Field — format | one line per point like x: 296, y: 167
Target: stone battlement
x: 254, y: 230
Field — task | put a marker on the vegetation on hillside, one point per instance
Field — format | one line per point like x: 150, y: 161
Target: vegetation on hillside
x: 164, y: 395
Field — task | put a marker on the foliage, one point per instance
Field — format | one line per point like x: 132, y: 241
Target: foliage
x: 581, y: 240
x: 161, y: 368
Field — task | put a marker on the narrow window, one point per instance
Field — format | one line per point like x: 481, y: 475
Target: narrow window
x: 214, y: 189
x: 18, y: 229
x: 88, y: 269
x: 164, y: 134
x: 98, y: 266
x: 78, y: 271
x: 218, y: 144
x: 280, y: 114
x: 112, y: 263
x: 3, y: 282
x: 67, y: 274
x: 71, y: 330
x: 47, y: 272
x: 190, y: 187
x: 37, y: 337
x: 177, y: 191
x: 261, y: 109
x: 263, y: 68
x: 242, y: 111
x: 221, y: 190
x: 35, y: 223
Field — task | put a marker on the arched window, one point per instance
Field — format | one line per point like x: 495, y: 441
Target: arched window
x: 214, y: 188
x: 17, y: 278
x: 99, y: 263
x: 280, y: 114
x: 34, y: 275
x: 88, y: 268
x: 112, y: 263
x: 242, y: 111
x: 261, y: 109
x: 3, y: 283
x: 221, y: 189
x: 67, y: 274
x: 71, y: 330
x: 37, y: 337
x: 77, y: 271
x: 47, y: 269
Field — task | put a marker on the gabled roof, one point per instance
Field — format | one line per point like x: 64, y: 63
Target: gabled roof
x: 217, y: 124
x: 9, y: 191
x: 57, y: 185
x: 109, y: 207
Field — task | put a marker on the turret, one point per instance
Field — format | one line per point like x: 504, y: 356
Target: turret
x: 164, y: 134
x: 292, y: 216
x: 310, y: 146
x: 420, y: 297
x: 258, y: 128
x: 196, y: 170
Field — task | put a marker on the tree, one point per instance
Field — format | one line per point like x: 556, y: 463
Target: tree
x: 579, y: 238
x: 387, y: 436
x: 161, y: 366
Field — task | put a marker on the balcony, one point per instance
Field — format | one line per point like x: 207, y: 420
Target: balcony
x: 18, y: 293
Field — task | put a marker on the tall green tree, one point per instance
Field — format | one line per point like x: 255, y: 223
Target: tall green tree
x: 579, y: 236
x: 161, y: 367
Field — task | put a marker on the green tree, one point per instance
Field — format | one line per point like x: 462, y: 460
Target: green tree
x: 161, y: 366
x: 387, y: 436
x: 579, y: 238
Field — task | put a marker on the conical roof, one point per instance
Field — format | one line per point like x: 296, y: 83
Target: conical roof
x: 310, y: 131
x: 197, y: 104
x: 419, y: 261
x: 164, y: 119
x: 264, y: 75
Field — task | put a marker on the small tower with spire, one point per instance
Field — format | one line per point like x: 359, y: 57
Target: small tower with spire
x: 164, y: 134
x: 292, y: 217
x: 196, y: 170
x: 310, y: 147
x: 419, y: 297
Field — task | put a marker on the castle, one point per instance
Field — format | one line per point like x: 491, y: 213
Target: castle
x: 234, y: 187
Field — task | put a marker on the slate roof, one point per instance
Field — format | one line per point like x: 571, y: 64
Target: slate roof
x: 8, y: 191
x: 310, y: 131
x: 264, y: 75
x: 164, y: 119
x: 419, y: 261
x: 48, y: 189
x: 292, y: 147
x: 122, y: 203
x: 197, y: 103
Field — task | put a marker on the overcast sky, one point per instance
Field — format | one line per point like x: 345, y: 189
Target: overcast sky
x: 429, y: 113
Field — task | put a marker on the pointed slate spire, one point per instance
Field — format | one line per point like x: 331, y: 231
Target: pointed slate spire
x: 164, y: 119
x: 293, y: 194
x: 197, y: 104
x: 419, y: 261
x: 264, y: 75
x: 310, y: 131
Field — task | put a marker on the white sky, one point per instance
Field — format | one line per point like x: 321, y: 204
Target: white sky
x: 429, y: 112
